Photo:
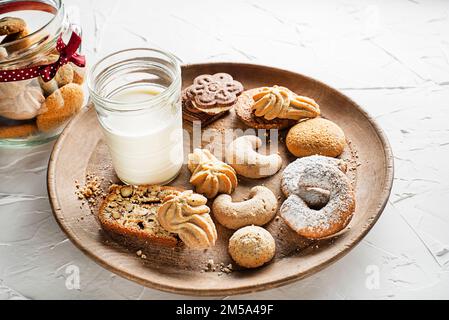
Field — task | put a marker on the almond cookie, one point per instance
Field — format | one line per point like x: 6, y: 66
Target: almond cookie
x: 316, y: 136
x: 252, y: 247
x: 259, y: 209
x: 17, y: 131
x: 11, y: 25
x: 214, y: 94
x: 187, y: 215
x: 313, y: 172
x: 129, y: 214
x: 60, y: 106
x: 247, y: 162
x: 211, y: 176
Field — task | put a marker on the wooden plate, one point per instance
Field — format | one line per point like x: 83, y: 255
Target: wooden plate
x: 81, y: 149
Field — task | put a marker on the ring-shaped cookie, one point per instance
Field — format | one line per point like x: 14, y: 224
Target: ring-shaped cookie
x: 322, y: 174
x: 314, y: 197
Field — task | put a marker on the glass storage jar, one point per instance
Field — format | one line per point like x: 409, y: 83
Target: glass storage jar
x: 41, y: 72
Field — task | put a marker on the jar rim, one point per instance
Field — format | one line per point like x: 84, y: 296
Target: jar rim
x: 117, y: 105
x: 58, y: 13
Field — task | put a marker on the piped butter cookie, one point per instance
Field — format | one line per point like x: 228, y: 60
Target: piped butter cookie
x: 211, y: 176
x: 187, y: 215
x: 274, y: 108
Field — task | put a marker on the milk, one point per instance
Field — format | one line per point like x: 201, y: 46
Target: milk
x: 146, y: 148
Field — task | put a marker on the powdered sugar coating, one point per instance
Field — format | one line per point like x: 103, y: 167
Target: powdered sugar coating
x: 323, y: 173
x: 313, y: 196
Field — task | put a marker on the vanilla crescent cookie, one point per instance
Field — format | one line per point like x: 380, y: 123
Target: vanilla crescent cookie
x: 319, y: 173
x: 241, y: 154
x: 187, y: 215
x: 259, y: 209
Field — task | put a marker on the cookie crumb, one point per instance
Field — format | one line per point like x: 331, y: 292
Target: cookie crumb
x: 221, y: 268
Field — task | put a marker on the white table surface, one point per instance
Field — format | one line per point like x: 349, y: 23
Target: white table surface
x: 392, y: 57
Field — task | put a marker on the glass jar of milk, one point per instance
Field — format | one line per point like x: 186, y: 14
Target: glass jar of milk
x: 136, y: 94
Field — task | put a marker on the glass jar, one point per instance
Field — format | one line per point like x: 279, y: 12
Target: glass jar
x: 34, y: 111
x: 137, y: 96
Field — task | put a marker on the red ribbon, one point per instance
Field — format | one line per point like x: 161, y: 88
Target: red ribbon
x: 67, y: 53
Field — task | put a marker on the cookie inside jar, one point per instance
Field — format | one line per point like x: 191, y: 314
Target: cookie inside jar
x: 41, y: 71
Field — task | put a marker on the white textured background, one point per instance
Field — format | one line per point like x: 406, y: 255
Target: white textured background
x: 392, y: 57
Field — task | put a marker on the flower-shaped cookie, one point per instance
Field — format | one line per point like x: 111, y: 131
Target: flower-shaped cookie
x: 214, y: 93
x: 211, y: 176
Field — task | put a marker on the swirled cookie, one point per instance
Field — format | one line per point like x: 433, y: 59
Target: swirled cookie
x: 274, y: 108
x: 319, y: 173
x: 211, y: 176
x: 187, y: 215
x: 280, y: 102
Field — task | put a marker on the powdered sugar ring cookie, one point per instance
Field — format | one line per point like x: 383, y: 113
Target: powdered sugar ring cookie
x: 313, y: 196
x: 323, y: 174
x: 212, y: 91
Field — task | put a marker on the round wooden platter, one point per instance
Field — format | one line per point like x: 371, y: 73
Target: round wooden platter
x: 81, y: 150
